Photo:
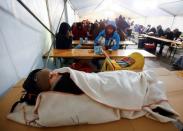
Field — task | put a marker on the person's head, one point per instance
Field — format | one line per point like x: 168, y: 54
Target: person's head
x: 96, y: 25
x: 159, y: 27
x: 148, y: 26
x: 176, y: 30
x: 74, y: 24
x: 120, y: 17
x: 40, y: 80
x: 79, y: 25
x: 110, y: 27
x: 64, y: 29
x: 167, y: 30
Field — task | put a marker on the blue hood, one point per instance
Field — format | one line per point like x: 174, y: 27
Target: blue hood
x: 112, y: 23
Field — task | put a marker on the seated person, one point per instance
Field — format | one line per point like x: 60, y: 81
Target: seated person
x: 109, y: 37
x: 64, y: 37
x: 169, y: 34
x: 176, y: 34
x: 152, y: 31
x: 75, y: 31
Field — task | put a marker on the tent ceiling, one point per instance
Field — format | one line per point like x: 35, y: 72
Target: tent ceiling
x: 132, y: 8
x: 176, y: 8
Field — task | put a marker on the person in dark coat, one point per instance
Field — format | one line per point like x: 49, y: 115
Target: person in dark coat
x: 176, y: 34
x: 75, y: 31
x: 64, y: 37
x: 169, y: 34
x: 153, y: 30
x: 82, y: 31
x: 96, y: 30
x: 160, y: 31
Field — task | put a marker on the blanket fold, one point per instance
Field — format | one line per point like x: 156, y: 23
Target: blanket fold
x: 109, y: 96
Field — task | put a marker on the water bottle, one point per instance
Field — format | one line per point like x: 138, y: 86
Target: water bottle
x: 86, y: 40
x: 81, y: 41
x: 98, y: 50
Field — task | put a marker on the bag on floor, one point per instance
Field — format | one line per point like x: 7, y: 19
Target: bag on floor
x: 178, y: 64
x: 82, y: 67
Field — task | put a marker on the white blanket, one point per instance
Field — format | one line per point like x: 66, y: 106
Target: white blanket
x: 108, y: 97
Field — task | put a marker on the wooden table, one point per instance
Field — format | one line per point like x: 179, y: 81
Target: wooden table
x: 76, y: 42
x: 91, y: 43
x: 163, y: 39
x: 89, y: 54
x: 172, y: 43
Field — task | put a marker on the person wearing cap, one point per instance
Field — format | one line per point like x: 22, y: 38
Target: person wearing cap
x: 108, y: 38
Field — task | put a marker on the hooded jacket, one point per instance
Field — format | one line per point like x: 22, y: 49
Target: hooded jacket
x: 114, y: 37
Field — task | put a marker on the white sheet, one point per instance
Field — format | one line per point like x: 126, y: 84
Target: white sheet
x: 109, y: 96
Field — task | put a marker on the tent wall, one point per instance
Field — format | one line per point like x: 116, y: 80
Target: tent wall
x: 178, y: 23
x: 55, y: 10
x: 71, y: 14
x: 22, y: 39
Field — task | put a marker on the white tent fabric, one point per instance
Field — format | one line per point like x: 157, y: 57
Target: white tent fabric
x: 138, y: 8
x: 23, y: 40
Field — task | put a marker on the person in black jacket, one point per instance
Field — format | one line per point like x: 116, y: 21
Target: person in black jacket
x: 64, y: 37
x: 169, y: 34
x: 160, y: 31
x: 176, y: 34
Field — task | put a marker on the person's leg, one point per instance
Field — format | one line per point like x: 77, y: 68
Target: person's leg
x: 96, y: 63
x: 161, y: 48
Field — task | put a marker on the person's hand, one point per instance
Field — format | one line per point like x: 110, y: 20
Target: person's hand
x: 53, y: 77
x: 103, y: 47
x: 70, y: 34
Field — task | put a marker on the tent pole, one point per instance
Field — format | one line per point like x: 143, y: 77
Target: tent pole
x: 52, y: 38
x: 53, y: 43
x: 66, y: 12
x: 35, y: 17
x: 53, y: 35
x: 49, y: 18
x: 61, y: 18
x: 173, y: 22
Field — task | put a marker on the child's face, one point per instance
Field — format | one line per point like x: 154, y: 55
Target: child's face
x: 54, y: 77
x: 110, y: 30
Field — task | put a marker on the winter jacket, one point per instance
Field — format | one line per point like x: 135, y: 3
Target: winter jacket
x: 115, y: 37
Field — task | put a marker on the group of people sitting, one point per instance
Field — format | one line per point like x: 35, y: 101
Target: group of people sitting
x: 93, y: 31
x: 159, y: 32
x: 107, y: 38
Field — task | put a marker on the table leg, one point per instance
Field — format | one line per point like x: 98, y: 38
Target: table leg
x: 173, y: 54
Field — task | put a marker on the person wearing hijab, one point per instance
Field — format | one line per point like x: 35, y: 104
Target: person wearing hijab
x: 64, y: 37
